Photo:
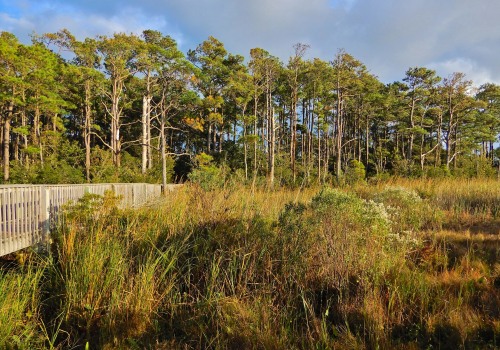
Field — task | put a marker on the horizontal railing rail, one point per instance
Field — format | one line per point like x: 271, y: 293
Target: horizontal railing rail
x: 26, y: 211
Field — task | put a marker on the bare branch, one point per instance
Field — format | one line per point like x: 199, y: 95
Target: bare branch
x: 100, y: 138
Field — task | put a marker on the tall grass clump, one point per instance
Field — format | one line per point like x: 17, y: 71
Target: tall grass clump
x: 107, y: 285
x: 19, y: 307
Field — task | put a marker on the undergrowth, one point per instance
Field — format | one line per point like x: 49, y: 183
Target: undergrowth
x: 367, y: 267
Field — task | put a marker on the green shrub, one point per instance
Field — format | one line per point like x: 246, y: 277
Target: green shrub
x: 338, y: 236
x: 355, y: 172
x: 471, y: 167
x: 437, y: 172
x: 51, y: 172
x: 154, y: 175
x: 59, y: 173
x: 379, y: 178
x: 206, y: 174
x: 102, y: 168
x: 20, y: 174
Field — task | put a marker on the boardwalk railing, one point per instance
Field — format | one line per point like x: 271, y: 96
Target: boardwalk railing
x: 26, y: 211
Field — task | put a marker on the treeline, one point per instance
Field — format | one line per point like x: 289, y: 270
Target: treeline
x: 135, y: 108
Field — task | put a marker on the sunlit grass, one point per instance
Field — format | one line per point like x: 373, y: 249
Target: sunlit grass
x: 368, y: 267
x: 19, y: 302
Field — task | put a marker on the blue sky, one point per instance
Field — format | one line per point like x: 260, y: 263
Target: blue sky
x: 388, y: 36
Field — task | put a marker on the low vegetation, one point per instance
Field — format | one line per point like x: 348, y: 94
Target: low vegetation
x: 400, y: 264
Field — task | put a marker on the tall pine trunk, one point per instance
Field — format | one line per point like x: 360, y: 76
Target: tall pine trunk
x: 88, y: 130
x: 6, y: 142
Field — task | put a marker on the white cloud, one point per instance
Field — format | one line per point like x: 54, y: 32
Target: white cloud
x: 50, y: 18
x: 472, y: 70
x: 11, y: 24
x: 389, y: 36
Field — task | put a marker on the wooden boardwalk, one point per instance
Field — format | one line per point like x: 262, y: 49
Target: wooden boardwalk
x: 26, y: 211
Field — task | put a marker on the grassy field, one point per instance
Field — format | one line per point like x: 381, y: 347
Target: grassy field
x: 407, y: 264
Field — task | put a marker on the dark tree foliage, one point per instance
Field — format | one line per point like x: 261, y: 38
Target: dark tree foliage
x: 129, y: 108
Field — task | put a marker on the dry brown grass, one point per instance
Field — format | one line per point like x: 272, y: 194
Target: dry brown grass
x: 280, y: 269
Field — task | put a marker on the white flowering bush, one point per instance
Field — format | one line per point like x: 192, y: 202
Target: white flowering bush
x: 339, y: 237
x: 407, y: 211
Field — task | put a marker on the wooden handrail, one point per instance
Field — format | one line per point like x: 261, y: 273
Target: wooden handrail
x: 26, y: 211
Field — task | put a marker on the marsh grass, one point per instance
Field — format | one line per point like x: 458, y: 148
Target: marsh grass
x: 19, y: 300
x: 236, y: 268
x: 473, y: 197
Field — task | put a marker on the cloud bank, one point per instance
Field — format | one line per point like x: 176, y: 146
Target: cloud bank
x: 389, y: 36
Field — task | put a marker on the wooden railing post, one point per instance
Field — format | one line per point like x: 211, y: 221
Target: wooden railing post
x: 45, y: 212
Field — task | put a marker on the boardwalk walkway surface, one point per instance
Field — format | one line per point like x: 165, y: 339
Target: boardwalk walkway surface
x: 26, y: 211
